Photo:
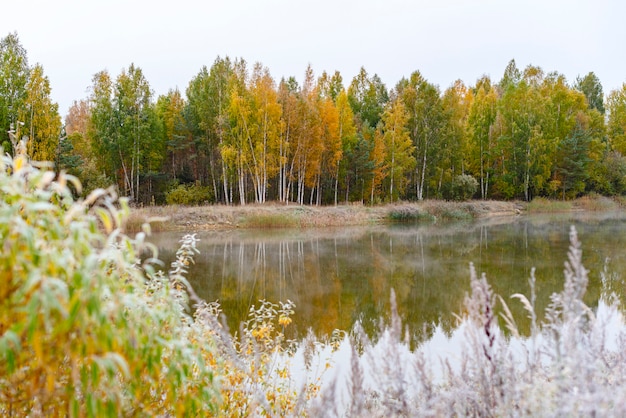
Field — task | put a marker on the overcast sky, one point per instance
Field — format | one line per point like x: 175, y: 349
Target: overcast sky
x: 445, y: 40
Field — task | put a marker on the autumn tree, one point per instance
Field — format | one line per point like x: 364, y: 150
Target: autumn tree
x: 616, y: 125
x: 399, y: 149
x: 332, y: 146
x: 259, y: 122
x: 456, y: 103
x: 40, y: 115
x: 348, y: 137
x: 310, y: 138
x: 567, y: 127
x: 288, y: 97
x: 481, y: 130
x: 170, y: 110
x: 234, y: 149
x: 330, y: 86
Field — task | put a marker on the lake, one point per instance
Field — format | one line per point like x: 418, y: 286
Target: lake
x: 338, y: 276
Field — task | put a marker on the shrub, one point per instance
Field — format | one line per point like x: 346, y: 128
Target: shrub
x: 462, y: 187
x: 183, y: 194
x: 544, y: 205
x: 85, y: 327
x: 596, y: 202
x: 409, y: 214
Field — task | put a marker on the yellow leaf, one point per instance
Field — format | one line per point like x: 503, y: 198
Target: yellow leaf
x: 49, y: 382
x: 18, y: 163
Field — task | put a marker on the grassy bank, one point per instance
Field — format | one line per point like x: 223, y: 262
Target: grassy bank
x: 273, y: 215
x: 198, y: 218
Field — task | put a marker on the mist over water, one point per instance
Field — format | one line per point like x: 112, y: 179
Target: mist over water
x: 338, y: 276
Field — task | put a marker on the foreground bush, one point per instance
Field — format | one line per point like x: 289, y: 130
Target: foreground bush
x: 82, y: 331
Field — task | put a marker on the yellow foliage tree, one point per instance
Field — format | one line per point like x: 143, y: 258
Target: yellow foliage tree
x: 40, y: 115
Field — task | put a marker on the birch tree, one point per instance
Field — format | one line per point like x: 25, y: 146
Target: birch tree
x: 263, y: 131
x: 42, y: 123
x: 399, y: 149
x: 208, y: 101
x: 423, y: 103
x: 482, y: 133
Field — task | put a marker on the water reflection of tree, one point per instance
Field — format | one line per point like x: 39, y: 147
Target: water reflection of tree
x: 338, y: 277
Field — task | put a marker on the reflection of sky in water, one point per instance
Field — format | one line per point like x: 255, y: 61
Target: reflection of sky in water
x: 337, y: 276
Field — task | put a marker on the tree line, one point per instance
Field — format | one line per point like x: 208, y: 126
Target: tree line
x: 237, y: 136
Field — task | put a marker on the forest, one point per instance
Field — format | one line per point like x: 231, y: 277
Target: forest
x: 237, y: 136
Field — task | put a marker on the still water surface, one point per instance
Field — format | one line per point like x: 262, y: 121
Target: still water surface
x: 337, y: 276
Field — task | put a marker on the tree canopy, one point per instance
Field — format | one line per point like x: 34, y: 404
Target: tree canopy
x: 248, y: 137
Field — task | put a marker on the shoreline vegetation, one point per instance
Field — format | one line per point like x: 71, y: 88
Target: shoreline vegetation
x: 274, y: 215
x: 87, y: 330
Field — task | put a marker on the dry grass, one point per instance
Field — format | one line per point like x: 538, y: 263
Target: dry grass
x: 596, y: 203
x: 198, y: 218
x: 572, y: 364
x: 590, y: 203
x: 543, y: 205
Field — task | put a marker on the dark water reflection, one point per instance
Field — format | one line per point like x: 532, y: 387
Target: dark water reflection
x: 340, y: 275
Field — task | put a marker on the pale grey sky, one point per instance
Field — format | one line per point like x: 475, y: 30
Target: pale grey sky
x: 445, y: 40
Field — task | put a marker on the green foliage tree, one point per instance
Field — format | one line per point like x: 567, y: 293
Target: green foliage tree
x: 591, y: 87
x: 367, y: 97
x: 573, y: 163
x: 125, y: 131
x: 522, y: 144
x: 426, y: 120
x: 137, y: 138
x: 101, y: 129
x: 80, y: 146
x: 14, y: 73
x: 208, y: 101
x: 614, y: 173
x: 66, y: 159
